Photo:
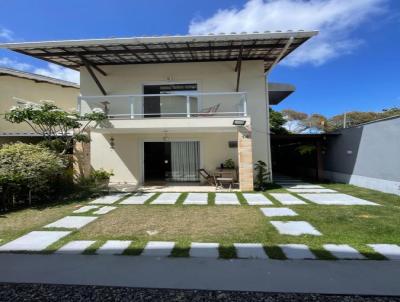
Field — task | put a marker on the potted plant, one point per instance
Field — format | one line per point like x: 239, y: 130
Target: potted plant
x: 229, y: 164
x: 101, y: 178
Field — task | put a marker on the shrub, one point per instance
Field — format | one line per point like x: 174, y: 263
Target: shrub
x: 262, y: 176
x: 29, y: 167
x: 101, y: 174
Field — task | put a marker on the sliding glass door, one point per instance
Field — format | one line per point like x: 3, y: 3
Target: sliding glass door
x: 171, y: 161
x: 185, y: 161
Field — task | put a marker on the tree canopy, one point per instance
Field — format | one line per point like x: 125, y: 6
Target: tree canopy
x: 58, y: 127
x: 300, y: 122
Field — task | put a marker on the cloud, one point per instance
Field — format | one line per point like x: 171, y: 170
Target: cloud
x: 335, y: 19
x: 51, y: 70
x: 59, y: 72
x: 6, y: 35
x: 7, y: 62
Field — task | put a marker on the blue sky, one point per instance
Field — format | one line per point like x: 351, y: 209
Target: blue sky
x: 352, y: 65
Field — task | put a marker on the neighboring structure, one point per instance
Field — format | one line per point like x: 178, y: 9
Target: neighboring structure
x: 175, y: 103
x: 366, y: 155
x: 30, y: 87
x: 277, y: 92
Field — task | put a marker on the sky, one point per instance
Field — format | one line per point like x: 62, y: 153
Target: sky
x: 353, y: 64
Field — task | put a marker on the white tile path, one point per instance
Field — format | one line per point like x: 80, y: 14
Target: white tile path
x: 113, y: 247
x: 226, y: 199
x: 137, y: 198
x: 85, y: 209
x: 71, y: 222
x: 297, y: 251
x: 295, y: 228
x: 257, y: 199
x: 196, y: 199
x: 75, y: 247
x: 250, y: 250
x: 108, y: 199
x: 390, y: 251
x: 336, y: 199
x: 272, y: 212
x: 204, y: 250
x: 302, y: 186
x: 287, y: 199
x: 158, y: 248
x: 34, y: 241
x: 104, y: 210
x: 343, y: 251
x: 311, y: 190
x: 166, y: 198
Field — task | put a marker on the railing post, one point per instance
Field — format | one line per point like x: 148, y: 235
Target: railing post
x: 244, y: 100
x: 132, y: 103
x: 79, y: 105
x: 187, y: 106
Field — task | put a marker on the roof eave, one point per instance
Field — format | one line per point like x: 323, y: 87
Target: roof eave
x: 162, y: 39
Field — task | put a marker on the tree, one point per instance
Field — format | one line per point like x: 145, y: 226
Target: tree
x: 295, y: 120
x: 354, y: 118
x: 58, y: 127
x: 293, y: 115
x: 316, y: 121
x: 276, y: 122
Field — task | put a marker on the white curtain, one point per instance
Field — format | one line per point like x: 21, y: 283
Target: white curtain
x: 185, y: 161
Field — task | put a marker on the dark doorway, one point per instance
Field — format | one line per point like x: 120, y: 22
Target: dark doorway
x: 151, y: 104
x: 157, y: 161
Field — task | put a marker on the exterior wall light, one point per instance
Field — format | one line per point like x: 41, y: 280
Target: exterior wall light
x: 239, y: 122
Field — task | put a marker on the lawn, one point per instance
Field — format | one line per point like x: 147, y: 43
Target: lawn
x: 353, y: 225
x: 17, y: 223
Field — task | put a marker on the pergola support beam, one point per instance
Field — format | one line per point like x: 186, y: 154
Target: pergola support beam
x: 88, y: 63
x: 238, y: 69
x: 284, y: 50
x: 94, y: 77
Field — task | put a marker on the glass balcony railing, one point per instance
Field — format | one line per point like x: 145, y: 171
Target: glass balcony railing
x: 167, y: 105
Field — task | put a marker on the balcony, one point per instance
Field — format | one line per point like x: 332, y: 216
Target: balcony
x: 187, y: 105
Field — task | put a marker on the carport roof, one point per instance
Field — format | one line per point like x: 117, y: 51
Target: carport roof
x: 271, y: 47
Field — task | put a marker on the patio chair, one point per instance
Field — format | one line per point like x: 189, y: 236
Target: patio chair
x: 209, y: 111
x: 210, y: 179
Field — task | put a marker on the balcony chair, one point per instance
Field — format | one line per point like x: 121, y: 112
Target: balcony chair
x: 210, y: 179
x: 209, y: 111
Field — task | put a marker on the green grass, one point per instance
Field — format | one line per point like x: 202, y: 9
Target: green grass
x: 226, y: 225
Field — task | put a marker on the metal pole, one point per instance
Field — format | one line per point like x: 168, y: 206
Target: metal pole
x: 344, y: 120
x: 132, y: 107
x: 244, y: 98
x: 188, y: 106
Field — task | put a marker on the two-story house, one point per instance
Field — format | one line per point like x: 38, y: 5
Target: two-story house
x: 175, y: 104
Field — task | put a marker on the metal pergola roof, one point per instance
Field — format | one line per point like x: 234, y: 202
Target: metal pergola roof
x: 270, y: 47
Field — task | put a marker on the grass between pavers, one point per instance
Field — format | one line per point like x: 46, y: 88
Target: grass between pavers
x: 183, y: 224
x: 17, y: 223
x: 181, y: 198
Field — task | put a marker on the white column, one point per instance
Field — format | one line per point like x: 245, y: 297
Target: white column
x: 79, y: 105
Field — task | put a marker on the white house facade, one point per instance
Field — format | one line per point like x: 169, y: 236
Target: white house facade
x: 175, y: 104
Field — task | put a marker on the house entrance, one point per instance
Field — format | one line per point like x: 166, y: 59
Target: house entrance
x: 172, y: 161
